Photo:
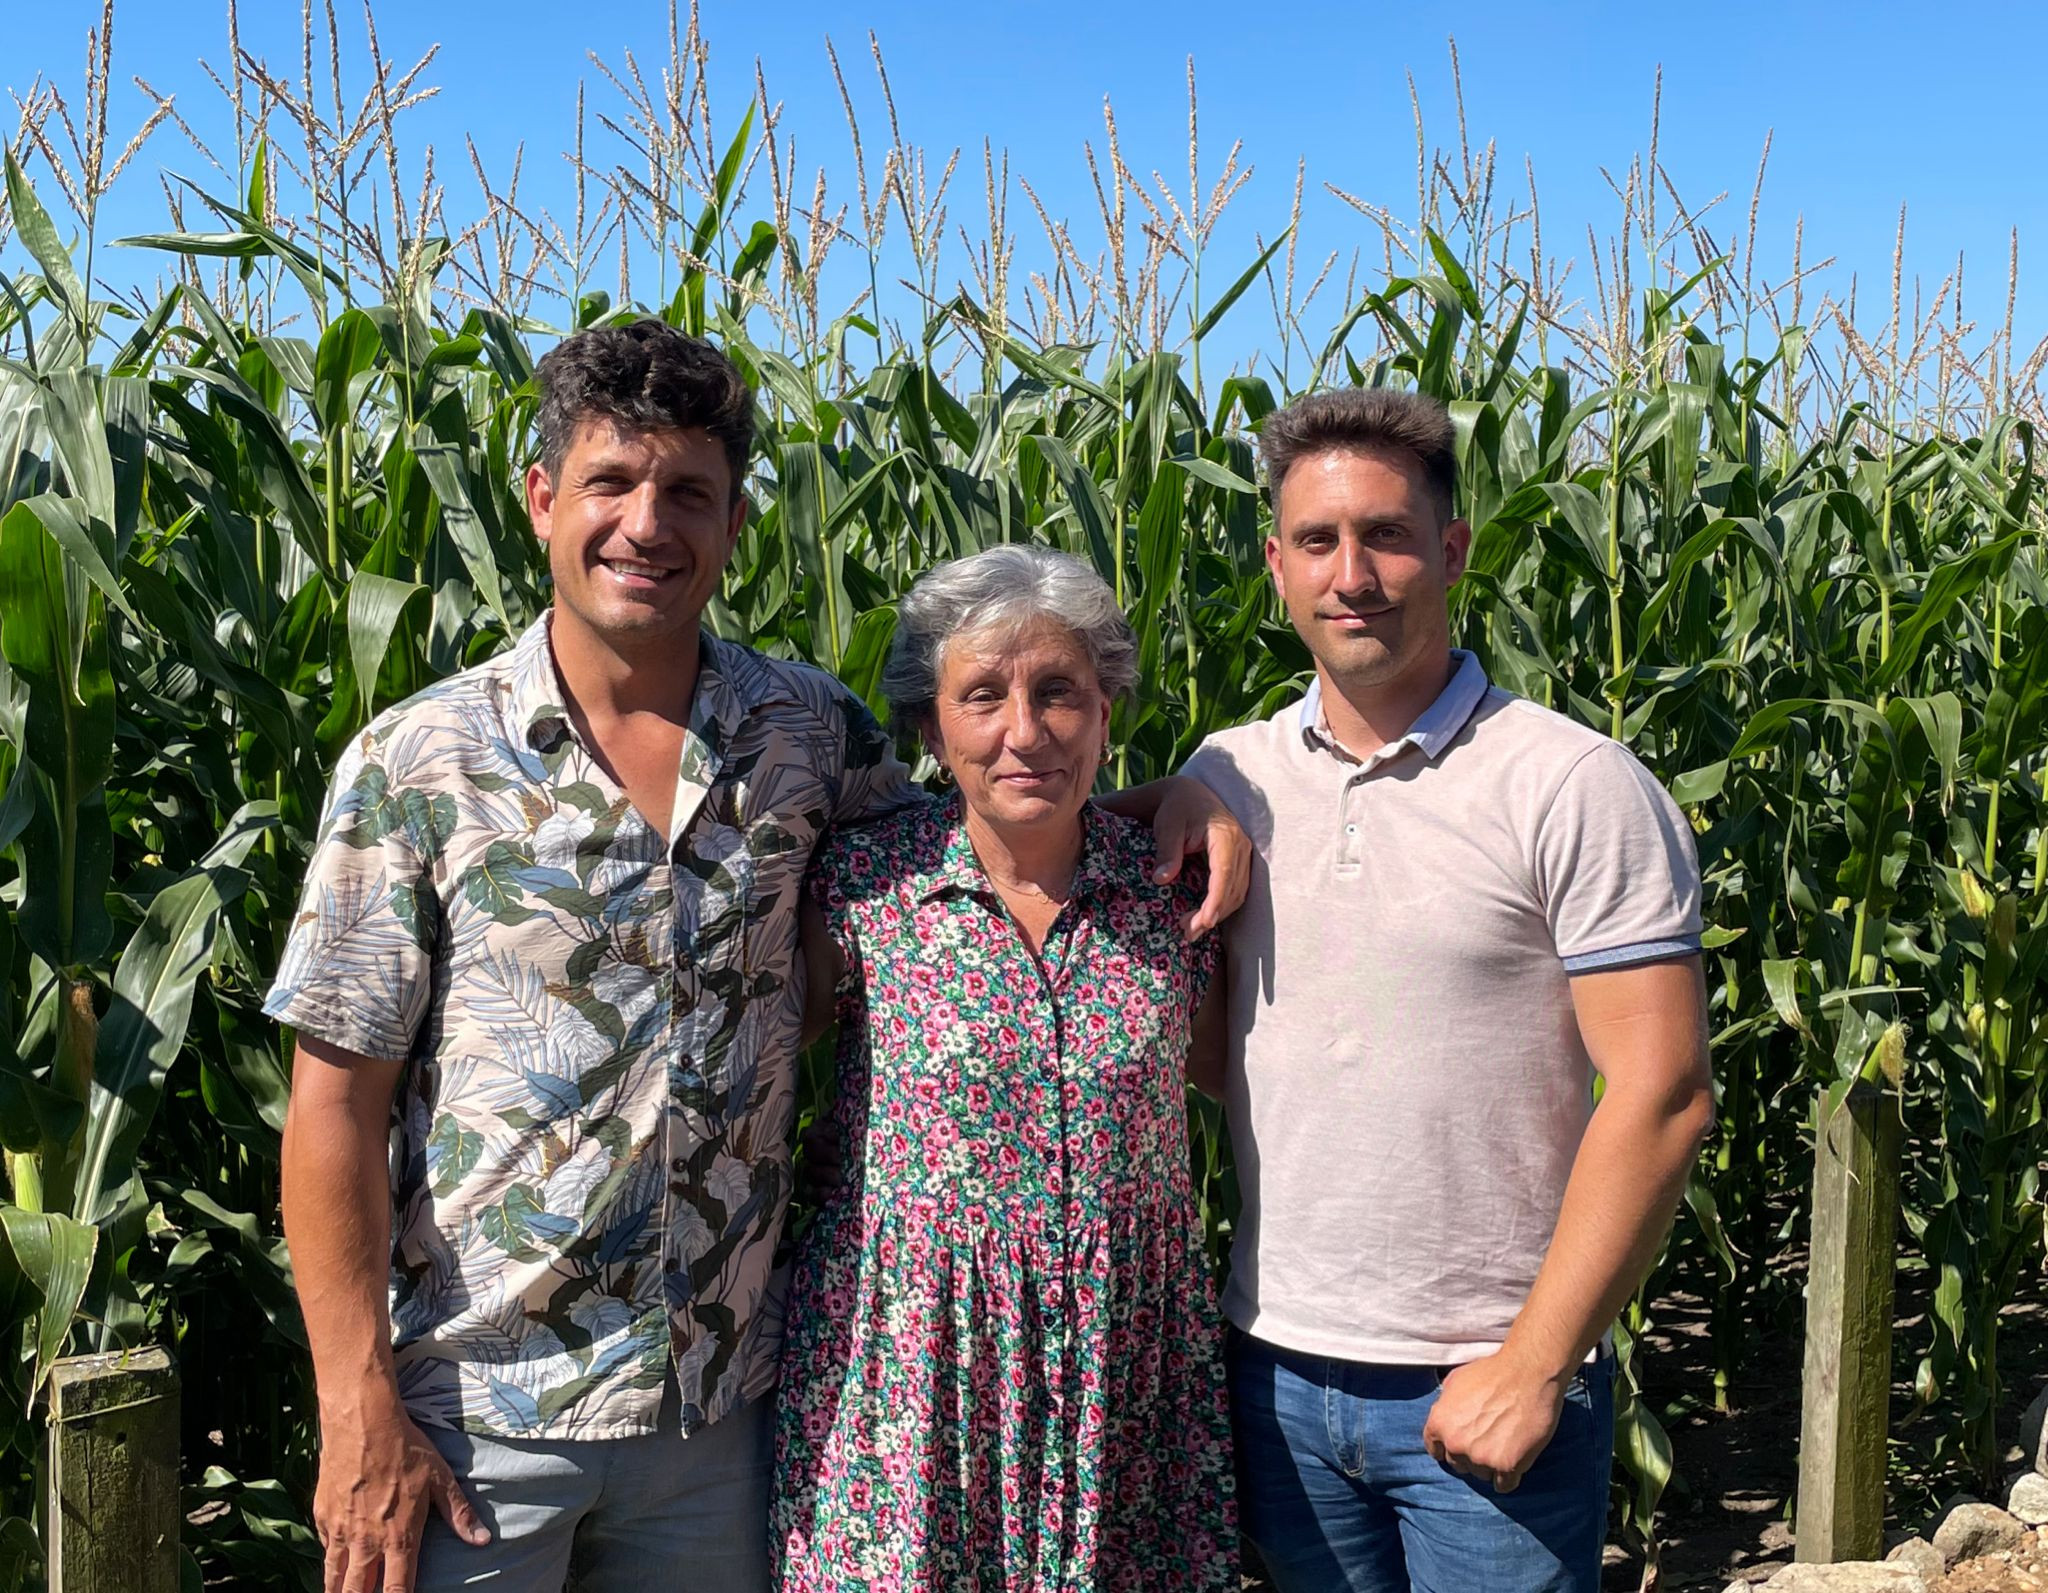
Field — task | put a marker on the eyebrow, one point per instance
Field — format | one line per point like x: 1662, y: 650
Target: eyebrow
x: 1334, y: 528
x: 617, y: 465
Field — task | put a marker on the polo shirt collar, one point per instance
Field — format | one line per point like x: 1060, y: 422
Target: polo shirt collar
x: 732, y: 682
x: 1434, y: 729
x: 957, y: 869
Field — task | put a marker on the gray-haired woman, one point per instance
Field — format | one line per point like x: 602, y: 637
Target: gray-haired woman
x: 1003, y: 1365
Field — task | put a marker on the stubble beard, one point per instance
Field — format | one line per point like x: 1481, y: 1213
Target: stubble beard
x: 626, y: 627
x: 1363, y: 662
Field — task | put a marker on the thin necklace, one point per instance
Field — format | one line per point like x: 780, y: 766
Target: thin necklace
x: 1026, y: 888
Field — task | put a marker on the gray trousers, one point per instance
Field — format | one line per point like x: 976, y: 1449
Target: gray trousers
x: 618, y: 1515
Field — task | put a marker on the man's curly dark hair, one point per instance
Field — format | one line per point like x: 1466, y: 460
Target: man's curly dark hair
x: 646, y: 376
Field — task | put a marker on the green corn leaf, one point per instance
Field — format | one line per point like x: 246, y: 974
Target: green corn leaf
x: 204, y: 245
x: 279, y: 472
x: 38, y: 235
x: 52, y: 1255
x: 1700, y: 785
x: 347, y: 350
x: 86, y: 544
x: 1211, y: 474
x: 1235, y: 291
x: 1644, y: 1450
x: 1770, y: 722
x: 1084, y: 500
x: 1950, y: 585
x: 1586, y: 519
x: 1785, y: 979
x: 124, y: 405
x: 53, y: 636
x: 1706, y: 1211
x: 375, y: 603
x: 810, y: 485
x: 78, y: 437
x: 444, y: 467
x: 145, y: 1023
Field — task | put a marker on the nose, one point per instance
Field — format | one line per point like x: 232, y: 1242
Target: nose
x: 1023, y: 723
x: 1356, y: 574
x: 640, y: 514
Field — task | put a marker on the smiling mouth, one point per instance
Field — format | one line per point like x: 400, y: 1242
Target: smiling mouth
x: 636, y: 576
x: 1358, y: 616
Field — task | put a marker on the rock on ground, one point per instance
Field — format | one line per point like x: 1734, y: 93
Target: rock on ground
x: 2023, y: 1569
x: 1971, y: 1530
x: 1921, y: 1555
x: 1851, y: 1576
x: 2028, y: 1501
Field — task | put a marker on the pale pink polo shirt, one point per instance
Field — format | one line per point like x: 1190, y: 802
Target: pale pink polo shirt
x: 1407, y: 1086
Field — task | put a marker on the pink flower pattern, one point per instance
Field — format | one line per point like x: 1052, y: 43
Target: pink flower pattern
x: 1003, y: 1362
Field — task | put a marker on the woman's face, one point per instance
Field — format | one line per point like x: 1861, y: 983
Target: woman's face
x: 1021, y: 722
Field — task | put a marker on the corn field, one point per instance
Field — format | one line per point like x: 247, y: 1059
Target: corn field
x: 1789, y: 549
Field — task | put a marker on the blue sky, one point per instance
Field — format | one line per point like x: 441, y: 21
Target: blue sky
x: 1872, y: 106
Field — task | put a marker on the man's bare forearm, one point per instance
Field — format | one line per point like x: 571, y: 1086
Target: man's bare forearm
x: 1625, y: 1186
x: 337, y: 1219
x: 1140, y: 802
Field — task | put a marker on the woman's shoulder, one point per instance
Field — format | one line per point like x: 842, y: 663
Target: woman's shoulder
x: 876, y: 856
x: 1122, y: 854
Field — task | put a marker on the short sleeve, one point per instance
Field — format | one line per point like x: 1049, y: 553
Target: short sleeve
x: 873, y: 781
x: 1615, y: 866
x: 356, y: 971
x: 827, y: 884
x: 1209, y: 764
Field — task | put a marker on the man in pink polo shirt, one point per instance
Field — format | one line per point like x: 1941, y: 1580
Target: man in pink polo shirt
x: 1464, y: 907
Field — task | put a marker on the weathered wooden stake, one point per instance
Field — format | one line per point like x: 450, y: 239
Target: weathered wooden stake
x: 112, y: 1508
x: 1846, y: 1417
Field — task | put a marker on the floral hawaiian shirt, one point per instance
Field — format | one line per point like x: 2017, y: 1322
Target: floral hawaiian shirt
x: 590, y: 1160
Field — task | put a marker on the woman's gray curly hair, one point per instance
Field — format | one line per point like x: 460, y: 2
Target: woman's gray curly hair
x: 1000, y: 593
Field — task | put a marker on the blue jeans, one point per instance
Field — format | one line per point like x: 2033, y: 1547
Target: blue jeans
x: 1338, y: 1495
x: 611, y: 1515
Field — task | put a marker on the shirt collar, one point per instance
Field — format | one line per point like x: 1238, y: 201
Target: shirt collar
x: 1434, y: 729
x: 539, y: 706
x: 956, y: 868
x: 732, y: 682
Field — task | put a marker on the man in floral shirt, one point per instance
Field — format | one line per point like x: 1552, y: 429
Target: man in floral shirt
x: 546, y: 995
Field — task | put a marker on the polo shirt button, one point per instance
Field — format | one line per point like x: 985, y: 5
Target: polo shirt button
x: 671, y: 1265
x: 1350, y: 829
x: 679, y: 1165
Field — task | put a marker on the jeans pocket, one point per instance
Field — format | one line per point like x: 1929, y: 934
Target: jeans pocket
x: 1590, y: 1381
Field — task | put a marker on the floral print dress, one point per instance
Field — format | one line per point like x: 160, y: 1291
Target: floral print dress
x: 1003, y: 1365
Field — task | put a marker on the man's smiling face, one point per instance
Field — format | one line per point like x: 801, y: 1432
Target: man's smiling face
x: 638, y: 527
x: 1363, y: 558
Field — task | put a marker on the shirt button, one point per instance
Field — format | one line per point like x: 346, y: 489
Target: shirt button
x: 1350, y: 829
x: 679, y: 1165
x: 671, y: 1264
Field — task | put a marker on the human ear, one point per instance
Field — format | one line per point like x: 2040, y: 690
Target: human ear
x: 540, y: 500
x: 935, y: 742
x: 1457, y: 549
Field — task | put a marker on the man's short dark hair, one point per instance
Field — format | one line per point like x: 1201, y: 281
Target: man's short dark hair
x: 645, y: 376
x: 1364, y: 420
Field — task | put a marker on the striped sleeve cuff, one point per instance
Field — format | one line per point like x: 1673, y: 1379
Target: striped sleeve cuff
x: 1628, y: 956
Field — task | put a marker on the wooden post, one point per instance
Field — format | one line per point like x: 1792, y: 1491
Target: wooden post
x: 1846, y: 1419
x: 112, y: 1507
